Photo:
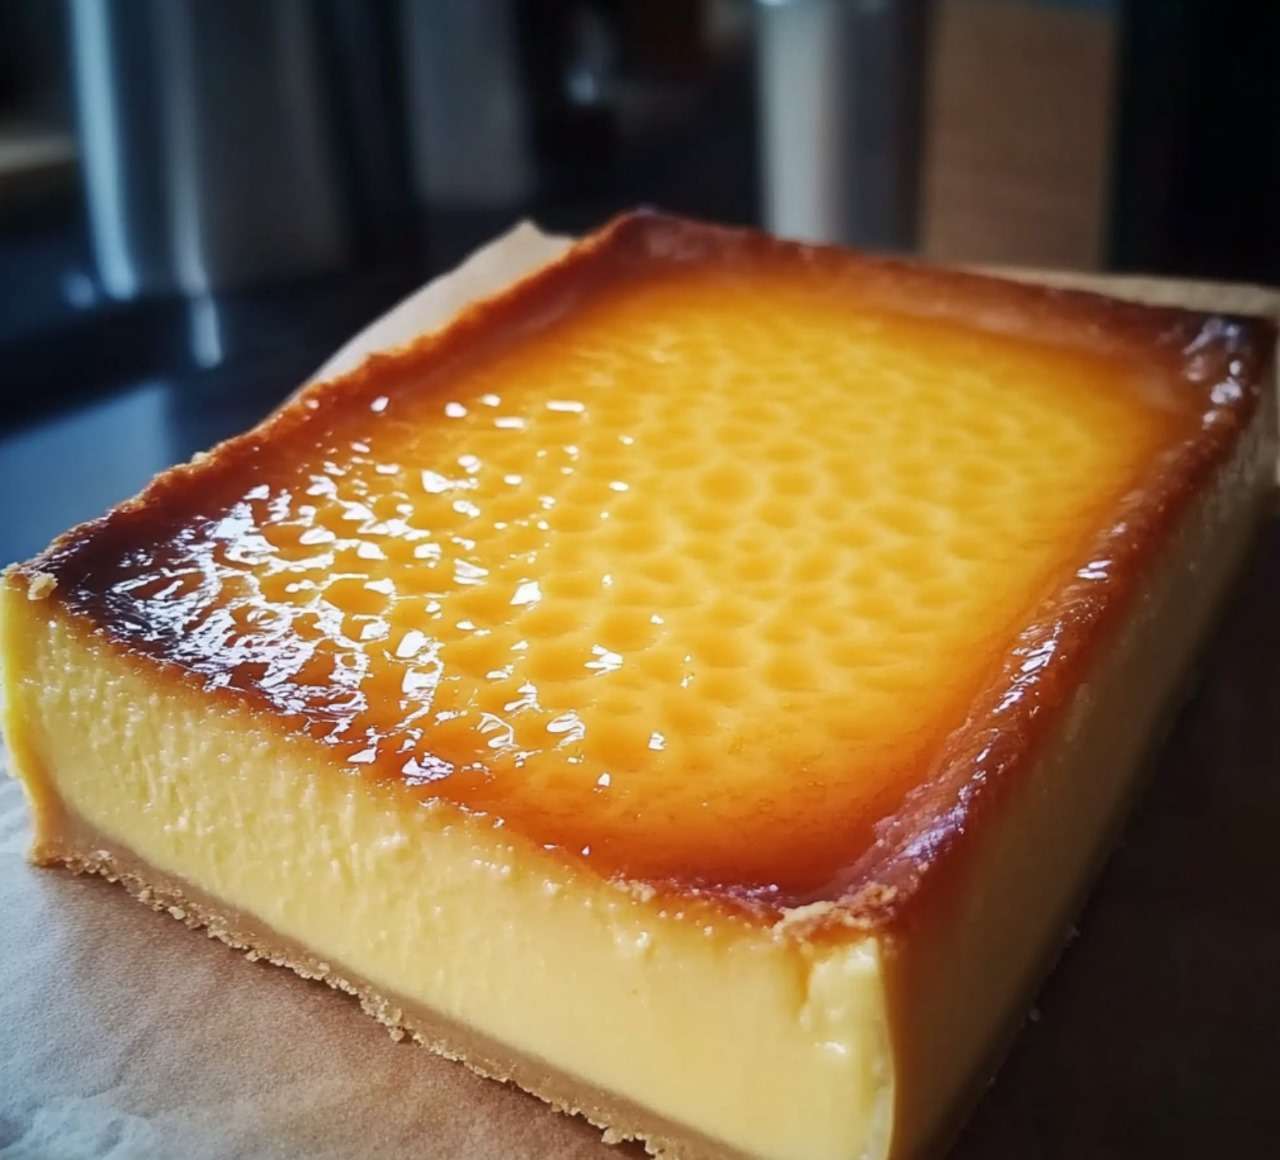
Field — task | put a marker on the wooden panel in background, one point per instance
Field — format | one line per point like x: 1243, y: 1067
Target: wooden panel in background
x: 1018, y: 131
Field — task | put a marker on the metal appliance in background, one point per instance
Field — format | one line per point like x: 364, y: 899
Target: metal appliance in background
x: 840, y: 105
x: 241, y: 143
x: 206, y: 152
x: 471, y: 147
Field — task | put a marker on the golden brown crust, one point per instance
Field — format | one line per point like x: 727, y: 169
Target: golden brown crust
x: 1220, y: 361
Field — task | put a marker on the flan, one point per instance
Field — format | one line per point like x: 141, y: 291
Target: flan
x: 696, y: 684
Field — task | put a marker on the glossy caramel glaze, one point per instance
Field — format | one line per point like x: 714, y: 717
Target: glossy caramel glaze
x: 702, y: 558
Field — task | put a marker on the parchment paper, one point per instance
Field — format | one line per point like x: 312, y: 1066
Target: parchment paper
x: 123, y: 1034
x: 519, y: 251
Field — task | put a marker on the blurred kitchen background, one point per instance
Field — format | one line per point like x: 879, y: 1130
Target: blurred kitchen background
x: 200, y: 200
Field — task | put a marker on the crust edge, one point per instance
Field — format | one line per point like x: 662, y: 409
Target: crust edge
x: 619, y: 1120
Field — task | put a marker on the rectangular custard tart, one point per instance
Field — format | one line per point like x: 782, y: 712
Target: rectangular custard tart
x: 695, y: 685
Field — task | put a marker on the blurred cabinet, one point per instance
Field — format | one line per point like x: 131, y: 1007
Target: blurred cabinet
x: 1019, y: 127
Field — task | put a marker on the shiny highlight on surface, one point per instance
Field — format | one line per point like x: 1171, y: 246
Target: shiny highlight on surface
x: 689, y: 569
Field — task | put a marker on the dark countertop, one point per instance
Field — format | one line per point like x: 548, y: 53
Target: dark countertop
x: 92, y: 407
x: 75, y: 463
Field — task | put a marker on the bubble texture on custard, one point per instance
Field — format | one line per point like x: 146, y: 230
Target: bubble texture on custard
x: 692, y: 582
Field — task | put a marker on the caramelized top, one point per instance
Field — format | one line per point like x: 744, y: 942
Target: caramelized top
x: 686, y: 556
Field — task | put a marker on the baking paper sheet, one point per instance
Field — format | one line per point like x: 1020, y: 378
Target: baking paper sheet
x: 123, y: 1034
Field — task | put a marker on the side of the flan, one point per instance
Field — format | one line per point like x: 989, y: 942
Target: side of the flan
x: 695, y: 684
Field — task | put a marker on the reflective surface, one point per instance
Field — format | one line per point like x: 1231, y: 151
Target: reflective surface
x: 142, y: 402
x: 693, y: 582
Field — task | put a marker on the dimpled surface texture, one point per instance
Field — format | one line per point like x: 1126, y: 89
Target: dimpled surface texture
x: 693, y: 581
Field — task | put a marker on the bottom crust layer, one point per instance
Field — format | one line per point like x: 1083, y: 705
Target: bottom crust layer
x: 84, y: 851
